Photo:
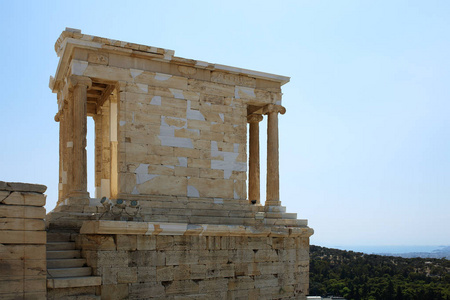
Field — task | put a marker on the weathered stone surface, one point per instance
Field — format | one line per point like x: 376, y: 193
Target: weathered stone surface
x: 22, y: 224
x: 23, y: 198
x: 26, y: 212
x: 22, y: 187
x: 22, y: 237
x: 23, y: 270
x: 171, y: 145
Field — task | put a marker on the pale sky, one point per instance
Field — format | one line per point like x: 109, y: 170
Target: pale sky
x: 364, y: 145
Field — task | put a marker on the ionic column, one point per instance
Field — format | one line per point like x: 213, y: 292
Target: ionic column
x: 253, y: 172
x: 273, y: 176
x: 80, y: 85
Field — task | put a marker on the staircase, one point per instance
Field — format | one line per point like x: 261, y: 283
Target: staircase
x: 66, y: 269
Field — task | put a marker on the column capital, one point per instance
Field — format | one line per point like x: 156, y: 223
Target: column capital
x: 254, y: 118
x: 76, y: 80
x: 269, y: 108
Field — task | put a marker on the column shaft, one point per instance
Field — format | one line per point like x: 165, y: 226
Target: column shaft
x: 79, y: 188
x: 273, y: 173
x: 273, y: 177
x: 254, y: 166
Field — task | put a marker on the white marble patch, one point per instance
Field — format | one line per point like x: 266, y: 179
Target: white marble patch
x: 150, y: 230
x: 248, y: 91
x: 193, y: 114
x: 177, y: 94
x: 156, y: 100
x: 176, y: 142
x: 201, y: 63
x: 182, y: 162
x: 78, y: 67
x: 173, y: 228
x: 135, y: 191
x: 162, y: 77
x: 229, y: 163
x: 192, y: 191
x: 218, y: 200
x: 142, y: 87
x: 142, y: 174
x: 135, y: 73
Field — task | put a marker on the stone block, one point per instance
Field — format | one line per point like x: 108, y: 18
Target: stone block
x: 220, y: 188
x: 127, y: 275
x: 150, y: 258
x: 26, y: 212
x: 241, y: 283
x: 32, y: 267
x: 145, y: 242
x: 112, y: 258
x: 22, y: 252
x: 213, y: 256
x: 182, y: 272
x: 109, y: 274
x: 164, y: 242
x: 146, y: 274
x: 156, y: 289
x: 263, y: 281
x: 191, y: 172
x: 126, y: 242
x: 165, y: 185
x: 181, y: 287
x: 22, y: 187
x: 114, y: 291
x: 165, y: 273
x: 22, y: 224
x: 181, y: 257
x: 24, y: 198
x: 213, y: 284
x: 95, y: 242
x: 197, y: 271
x: 266, y: 255
x: 242, y: 255
x: 23, y: 237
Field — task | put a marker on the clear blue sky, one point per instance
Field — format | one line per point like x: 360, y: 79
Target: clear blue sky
x: 365, y: 141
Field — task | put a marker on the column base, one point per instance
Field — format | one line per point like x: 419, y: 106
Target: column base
x: 77, y: 198
x: 272, y: 203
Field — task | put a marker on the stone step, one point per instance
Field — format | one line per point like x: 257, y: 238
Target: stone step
x: 275, y: 208
x: 70, y: 272
x: 78, y: 296
x: 280, y: 215
x: 65, y: 263
x: 53, y: 246
x: 58, y: 236
x: 71, y: 282
x: 286, y: 222
x: 64, y: 254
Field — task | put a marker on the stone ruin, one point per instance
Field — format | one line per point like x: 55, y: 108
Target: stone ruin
x: 171, y: 217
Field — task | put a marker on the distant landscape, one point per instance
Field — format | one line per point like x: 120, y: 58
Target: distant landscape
x: 401, y: 251
x: 443, y: 252
x: 356, y: 275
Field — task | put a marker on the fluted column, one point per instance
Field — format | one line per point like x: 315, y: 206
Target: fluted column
x: 80, y: 85
x: 253, y: 174
x: 273, y: 176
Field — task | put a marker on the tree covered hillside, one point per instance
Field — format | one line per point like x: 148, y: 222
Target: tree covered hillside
x: 356, y: 275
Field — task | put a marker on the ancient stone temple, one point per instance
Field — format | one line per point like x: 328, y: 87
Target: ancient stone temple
x: 173, y: 215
